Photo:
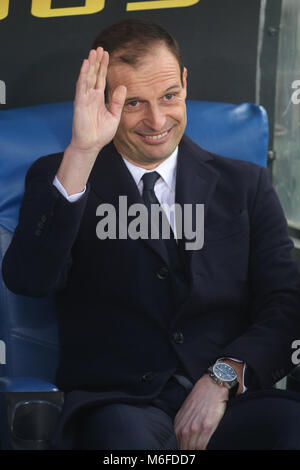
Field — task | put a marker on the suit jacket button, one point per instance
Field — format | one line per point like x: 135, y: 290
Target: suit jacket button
x: 178, y: 337
x: 162, y: 272
x: 148, y: 377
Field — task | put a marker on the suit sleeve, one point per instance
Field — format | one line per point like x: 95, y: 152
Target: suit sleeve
x: 274, y: 286
x: 39, y: 257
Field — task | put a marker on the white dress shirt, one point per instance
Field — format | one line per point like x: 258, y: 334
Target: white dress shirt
x: 164, y: 186
x: 164, y: 190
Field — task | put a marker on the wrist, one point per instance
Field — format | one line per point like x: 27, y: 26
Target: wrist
x: 222, y: 391
x: 82, y: 153
x: 75, y: 168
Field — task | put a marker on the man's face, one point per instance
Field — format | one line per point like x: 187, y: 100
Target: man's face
x: 154, y: 115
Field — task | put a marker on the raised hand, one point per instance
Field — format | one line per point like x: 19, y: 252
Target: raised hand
x: 95, y: 122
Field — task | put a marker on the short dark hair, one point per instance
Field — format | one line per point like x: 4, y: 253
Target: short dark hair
x: 133, y: 38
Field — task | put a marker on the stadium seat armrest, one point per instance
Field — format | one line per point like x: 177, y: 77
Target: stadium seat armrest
x: 26, y: 384
x: 30, y: 409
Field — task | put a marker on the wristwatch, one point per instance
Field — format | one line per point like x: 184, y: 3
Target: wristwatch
x: 225, y: 375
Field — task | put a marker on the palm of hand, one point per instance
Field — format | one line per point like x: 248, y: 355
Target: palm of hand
x: 95, y: 124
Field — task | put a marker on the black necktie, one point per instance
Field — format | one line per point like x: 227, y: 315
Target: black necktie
x: 149, y: 180
x: 149, y: 197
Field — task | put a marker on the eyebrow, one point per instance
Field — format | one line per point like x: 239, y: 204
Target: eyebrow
x: 137, y: 98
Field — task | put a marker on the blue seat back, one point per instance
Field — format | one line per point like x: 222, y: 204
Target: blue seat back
x: 28, y: 330
x: 236, y: 131
x: 28, y: 326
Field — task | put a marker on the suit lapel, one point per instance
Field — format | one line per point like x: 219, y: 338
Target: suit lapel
x: 196, y: 180
x: 110, y: 179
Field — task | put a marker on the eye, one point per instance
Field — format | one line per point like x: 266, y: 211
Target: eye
x: 169, y: 96
x: 133, y: 104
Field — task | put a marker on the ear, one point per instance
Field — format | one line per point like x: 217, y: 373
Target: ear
x: 184, y: 81
x: 184, y: 78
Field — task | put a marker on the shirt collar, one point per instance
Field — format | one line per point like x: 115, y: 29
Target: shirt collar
x: 167, y: 170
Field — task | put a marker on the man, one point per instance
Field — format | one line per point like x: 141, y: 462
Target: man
x: 142, y: 320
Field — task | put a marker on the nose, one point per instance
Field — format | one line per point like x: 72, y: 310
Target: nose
x: 155, y: 117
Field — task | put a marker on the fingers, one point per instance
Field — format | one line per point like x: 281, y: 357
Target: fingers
x: 195, y: 425
x: 81, y: 82
x: 117, y: 100
x: 194, y: 435
x: 92, y: 73
x: 95, y: 57
x: 182, y: 426
x: 201, y: 434
x: 102, y: 71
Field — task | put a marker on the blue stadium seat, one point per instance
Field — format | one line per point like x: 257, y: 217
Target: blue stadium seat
x: 28, y: 334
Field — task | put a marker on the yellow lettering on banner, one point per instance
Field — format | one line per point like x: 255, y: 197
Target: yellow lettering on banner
x: 155, y: 4
x: 42, y: 8
x: 4, y: 4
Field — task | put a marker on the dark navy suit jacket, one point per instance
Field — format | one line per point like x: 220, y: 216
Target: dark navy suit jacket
x: 120, y: 333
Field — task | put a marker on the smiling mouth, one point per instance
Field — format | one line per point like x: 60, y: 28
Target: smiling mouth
x: 156, y: 138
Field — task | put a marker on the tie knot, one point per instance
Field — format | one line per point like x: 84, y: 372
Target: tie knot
x: 149, y: 180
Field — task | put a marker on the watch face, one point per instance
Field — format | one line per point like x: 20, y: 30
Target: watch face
x: 224, y: 372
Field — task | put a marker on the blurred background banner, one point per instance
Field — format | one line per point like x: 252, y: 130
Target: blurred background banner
x: 43, y: 42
